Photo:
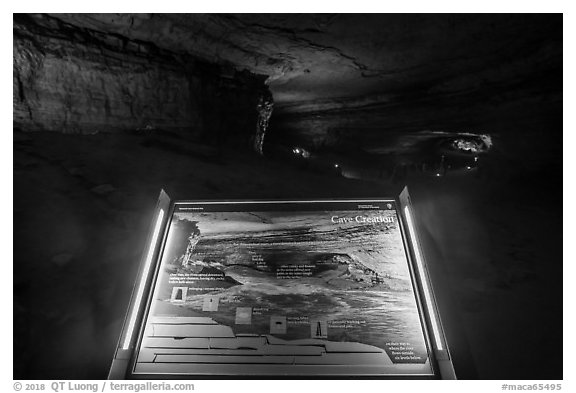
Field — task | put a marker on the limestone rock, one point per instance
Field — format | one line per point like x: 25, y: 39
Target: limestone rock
x: 76, y: 80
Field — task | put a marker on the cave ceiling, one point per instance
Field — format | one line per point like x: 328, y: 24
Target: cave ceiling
x: 329, y: 57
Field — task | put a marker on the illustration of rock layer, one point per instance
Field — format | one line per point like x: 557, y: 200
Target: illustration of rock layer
x: 199, y: 345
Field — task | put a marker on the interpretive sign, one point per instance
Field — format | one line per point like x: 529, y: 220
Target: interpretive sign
x: 288, y: 288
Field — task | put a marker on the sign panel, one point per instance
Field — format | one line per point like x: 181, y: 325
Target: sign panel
x: 284, y: 288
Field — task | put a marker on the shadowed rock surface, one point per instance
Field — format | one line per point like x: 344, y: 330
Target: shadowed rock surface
x: 76, y: 80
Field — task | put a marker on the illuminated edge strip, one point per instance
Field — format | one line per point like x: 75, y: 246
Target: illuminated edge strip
x: 272, y: 202
x: 167, y: 246
x: 424, y: 280
x: 143, y: 280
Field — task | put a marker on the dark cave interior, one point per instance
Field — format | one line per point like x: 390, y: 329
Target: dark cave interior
x: 466, y: 109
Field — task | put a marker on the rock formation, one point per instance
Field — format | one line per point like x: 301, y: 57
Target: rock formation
x: 78, y: 80
x: 264, y: 107
x: 337, y: 80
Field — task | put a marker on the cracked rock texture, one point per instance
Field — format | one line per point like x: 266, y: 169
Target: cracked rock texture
x: 338, y: 77
x: 78, y: 80
x: 320, y: 56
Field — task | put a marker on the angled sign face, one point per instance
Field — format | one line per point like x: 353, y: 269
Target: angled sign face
x: 284, y: 288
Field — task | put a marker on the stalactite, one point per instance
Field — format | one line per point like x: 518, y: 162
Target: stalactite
x: 264, y: 107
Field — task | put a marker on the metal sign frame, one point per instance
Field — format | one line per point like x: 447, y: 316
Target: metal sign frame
x: 133, y: 327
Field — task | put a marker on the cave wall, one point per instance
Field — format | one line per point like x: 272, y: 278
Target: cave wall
x: 528, y: 109
x: 78, y: 80
x: 499, y: 74
x: 339, y: 80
